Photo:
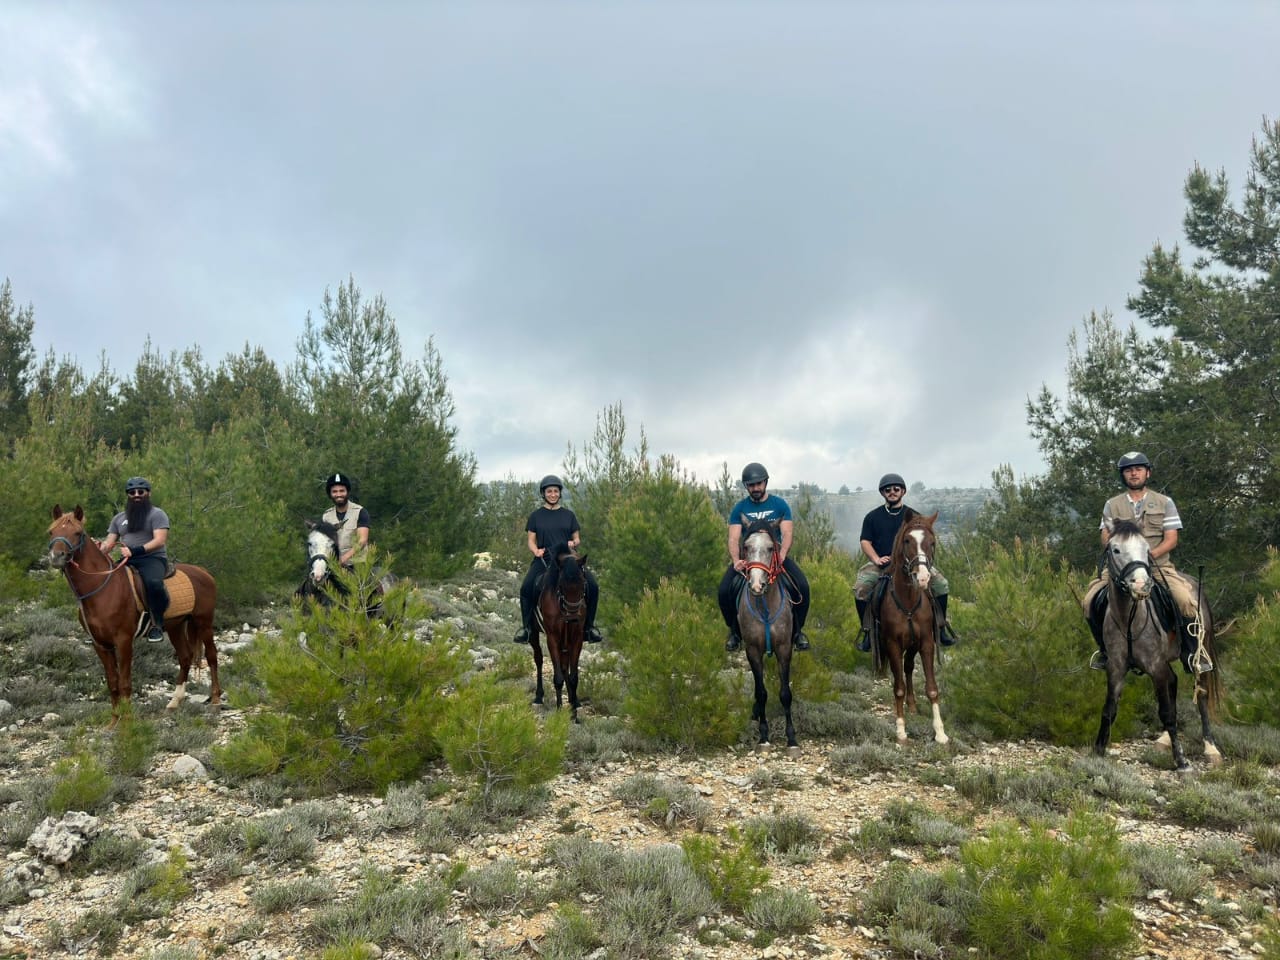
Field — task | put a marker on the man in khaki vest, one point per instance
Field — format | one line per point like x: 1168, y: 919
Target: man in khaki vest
x: 351, y: 519
x: 1157, y: 516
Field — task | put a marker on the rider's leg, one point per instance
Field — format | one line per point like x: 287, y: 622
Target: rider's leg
x: 152, y: 570
x: 1098, y: 661
x: 799, y: 612
x: 1184, y: 599
x: 528, y: 597
x: 865, y: 582
x: 591, y: 634
x: 727, y: 596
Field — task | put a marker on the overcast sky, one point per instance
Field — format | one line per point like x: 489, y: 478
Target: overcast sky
x: 838, y: 238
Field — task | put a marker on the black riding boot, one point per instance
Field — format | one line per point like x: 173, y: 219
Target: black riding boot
x: 864, y: 638
x: 1189, y: 647
x: 946, y: 636
x: 1099, y: 660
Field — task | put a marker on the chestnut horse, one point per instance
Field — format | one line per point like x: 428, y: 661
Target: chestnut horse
x: 109, y: 612
x: 561, y: 614
x: 764, y: 622
x: 1136, y: 637
x: 908, y: 624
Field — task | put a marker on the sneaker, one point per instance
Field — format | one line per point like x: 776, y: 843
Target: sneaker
x: 155, y: 634
x: 800, y: 641
x: 1097, y: 661
x: 733, y: 643
x: 594, y: 636
x: 522, y: 636
x: 864, y: 642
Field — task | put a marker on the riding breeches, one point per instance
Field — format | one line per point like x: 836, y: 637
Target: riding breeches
x: 151, y: 568
x: 797, y: 588
x: 869, y: 573
x: 529, y: 594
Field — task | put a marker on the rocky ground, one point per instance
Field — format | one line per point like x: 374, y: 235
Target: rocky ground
x: 175, y: 808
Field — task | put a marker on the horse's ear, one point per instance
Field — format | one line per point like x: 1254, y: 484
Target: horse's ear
x: 582, y: 560
x: 79, y: 512
x: 908, y: 515
x: 311, y: 524
x: 57, y: 511
x: 932, y: 520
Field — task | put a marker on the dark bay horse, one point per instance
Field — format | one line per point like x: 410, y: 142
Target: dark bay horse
x: 907, y: 624
x: 561, y: 615
x: 764, y: 623
x: 1135, y: 635
x: 109, y: 610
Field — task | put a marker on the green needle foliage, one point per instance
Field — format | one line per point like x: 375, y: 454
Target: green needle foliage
x: 348, y: 701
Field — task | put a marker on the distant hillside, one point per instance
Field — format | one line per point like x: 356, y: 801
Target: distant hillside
x: 954, y: 504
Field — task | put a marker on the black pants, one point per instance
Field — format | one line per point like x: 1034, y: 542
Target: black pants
x: 529, y: 594
x: 151, y: 568
x: 798, y: 588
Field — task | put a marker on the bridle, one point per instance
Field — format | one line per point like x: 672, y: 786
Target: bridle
x: 72, y: 550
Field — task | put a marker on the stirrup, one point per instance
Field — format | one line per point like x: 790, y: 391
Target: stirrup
x: 733, y: 643
x: 522, y: 636
x: 864, y: 641
x: 593, y: 636
x: 1097, y: 661
x: 800, y: 641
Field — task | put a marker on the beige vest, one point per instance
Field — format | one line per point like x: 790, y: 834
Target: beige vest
x: 347, y: 527
x: 1151, y: 522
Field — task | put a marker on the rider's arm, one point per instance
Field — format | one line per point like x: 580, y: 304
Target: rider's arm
x: 788, y: 530
x: 735, y: 546
x: 1166, y: 544
x: 158, y: 539
x: 575, y: 538
x: 109, y: 544
x: 869, y: 551
x: 533, y: 544
x: 362, y: 541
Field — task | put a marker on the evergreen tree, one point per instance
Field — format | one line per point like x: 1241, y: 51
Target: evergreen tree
x: 17, y: 359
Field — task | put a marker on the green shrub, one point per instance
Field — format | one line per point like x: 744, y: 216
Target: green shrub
x: 833, y: 624
x: 1253, y: 666
x: 731, y: 868
x: 290, y: 894
x: 349, y: 702
x: 677, y: 692
x: 1045, y: 895
x: 665, y: 803
x: 782, y: 912
x: 1024, y: 672
x: 790, y: 837
x: 498, y: 741
x: 386, y: 910
x: 573, y: 934
x: 79, y: 783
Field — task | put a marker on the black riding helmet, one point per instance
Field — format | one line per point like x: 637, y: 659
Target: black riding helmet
x: 1133, y: 459
x: 550, y: 480
x: 754, y: 473
x: 337, y: 480
x: 137, y: 483
x: 891, y: 480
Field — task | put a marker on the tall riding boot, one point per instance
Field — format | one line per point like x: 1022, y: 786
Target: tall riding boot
x: 864, y: 638
x: 1189, y: 648
x: 1099, y: 660
x: 526, y: 622
x: 946, y: 636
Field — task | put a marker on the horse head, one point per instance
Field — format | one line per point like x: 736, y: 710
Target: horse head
x: 1129, y: 558
x: 66, y: 536
x: 322, y: 549
x: 759, y: 549
x: 915, y: 546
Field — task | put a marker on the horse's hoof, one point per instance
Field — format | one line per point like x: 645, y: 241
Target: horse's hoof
x: 1212, y: 754
x: 1163, y: 740
x: 902, y: 741
x: 942, y: 738
x: 763, y: 747
x: 793, y: 751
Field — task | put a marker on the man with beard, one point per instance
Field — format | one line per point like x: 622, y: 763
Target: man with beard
x: 879, y: 531
x: 1157, y: 517
x: 143, y: 530
x: 351, y: 519
x: 550, y: 525
x: 758, y: 505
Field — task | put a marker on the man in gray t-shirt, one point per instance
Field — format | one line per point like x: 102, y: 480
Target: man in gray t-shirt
x: 142, y: 529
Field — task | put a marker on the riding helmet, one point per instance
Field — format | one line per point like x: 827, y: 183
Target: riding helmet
x: 338, y: 479
x: 550, y: 480
x: 1133, y: 459
x: 137, y: 483
x: 754, y: 473
x: 891, y: 480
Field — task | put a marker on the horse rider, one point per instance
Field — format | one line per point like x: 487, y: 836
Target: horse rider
x: 142, y: 529
x: 879, y: 530
x: 1157, y: 516
x: 758, y: 505
x: 351, y: 519
x: 549, y: 525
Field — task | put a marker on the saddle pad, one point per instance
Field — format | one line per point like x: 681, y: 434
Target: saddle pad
x: 182, y: 595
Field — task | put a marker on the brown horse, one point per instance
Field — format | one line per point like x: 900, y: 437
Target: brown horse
x: 109, y: 611
x: 908, y: 624
x: 561, y: 614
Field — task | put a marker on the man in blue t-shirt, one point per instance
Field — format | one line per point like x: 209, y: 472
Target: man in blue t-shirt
x: 758, y: 505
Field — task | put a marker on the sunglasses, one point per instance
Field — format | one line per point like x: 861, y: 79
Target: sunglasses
x: 893, y: 488
x: 139, y: 493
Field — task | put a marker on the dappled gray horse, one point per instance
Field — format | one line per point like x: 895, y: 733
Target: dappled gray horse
x: 764, y: 619
x: 1137, y: 636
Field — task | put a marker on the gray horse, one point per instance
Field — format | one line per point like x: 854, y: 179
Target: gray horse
x: 764, y: 619
x: 1136, y: 636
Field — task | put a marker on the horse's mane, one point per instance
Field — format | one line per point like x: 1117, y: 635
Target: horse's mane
x: 757, y: 525
x: 323, y: 526
x: 1125, y: 528
x: 561, y: 552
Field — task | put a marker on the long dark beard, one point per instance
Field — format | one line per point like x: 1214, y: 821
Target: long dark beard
x: 136, y: 511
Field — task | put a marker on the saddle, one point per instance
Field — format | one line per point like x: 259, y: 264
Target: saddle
x: 182, y: 595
